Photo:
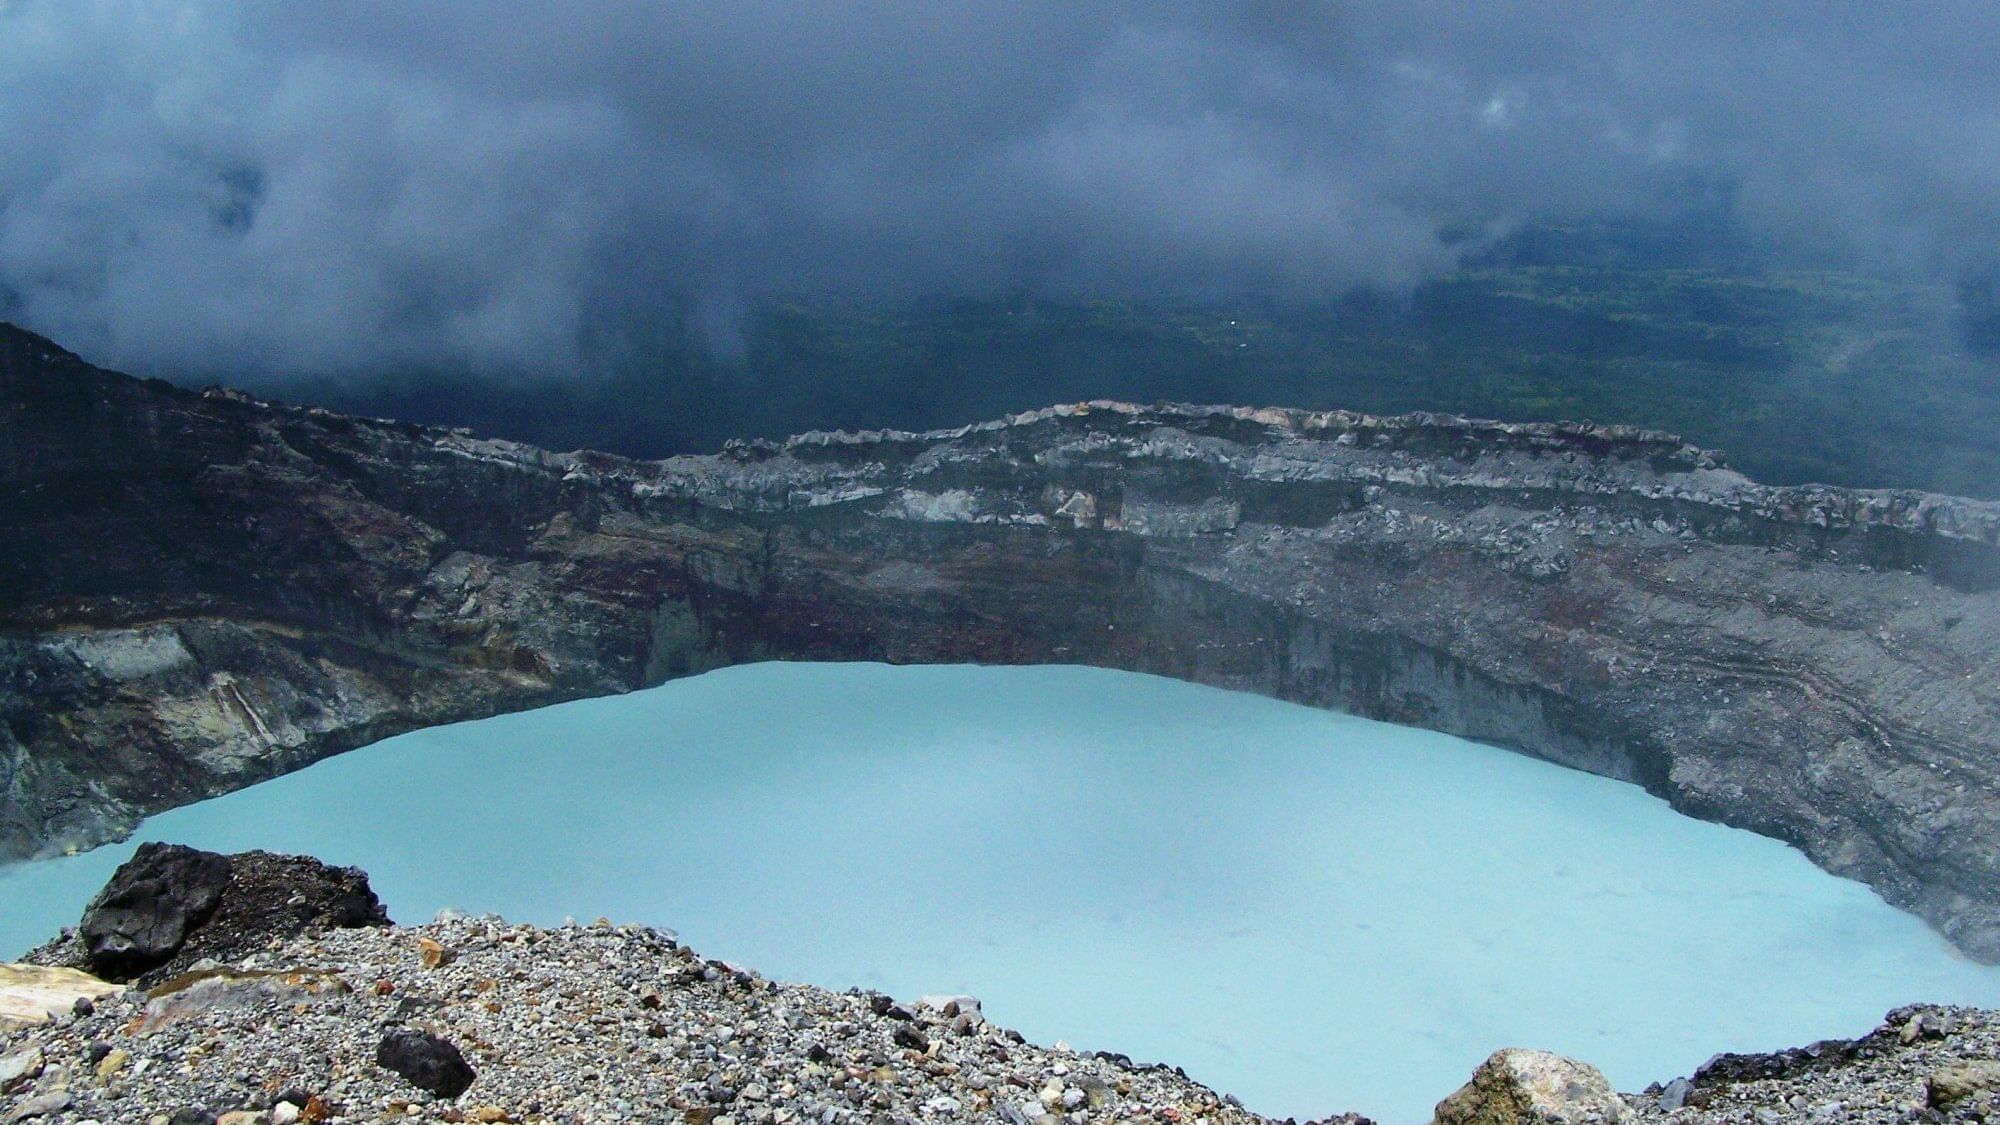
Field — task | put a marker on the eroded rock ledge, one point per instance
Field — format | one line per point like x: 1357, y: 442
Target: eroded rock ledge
x: 200, y: 591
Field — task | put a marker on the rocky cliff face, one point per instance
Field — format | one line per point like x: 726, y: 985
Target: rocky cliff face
x: 199, y: 591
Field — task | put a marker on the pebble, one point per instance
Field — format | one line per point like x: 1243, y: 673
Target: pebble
x: 114, y: 1060
x: 1962, y: 1081
x: 39, y: 1105
x: 20, y: 1068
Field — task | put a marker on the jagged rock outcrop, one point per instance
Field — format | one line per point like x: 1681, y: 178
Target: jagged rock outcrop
x: 171, y: 907
x: 153, y: 902
x: 200, y: 591
x: 1923, y: 1064
x: 1522, y: 1087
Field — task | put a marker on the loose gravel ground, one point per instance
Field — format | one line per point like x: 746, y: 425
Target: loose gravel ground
x: 579, y: 1024
x: 602, y: 1023
x: 1924, y: 1064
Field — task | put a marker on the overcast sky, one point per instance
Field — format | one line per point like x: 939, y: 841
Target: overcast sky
x: 349, y: 187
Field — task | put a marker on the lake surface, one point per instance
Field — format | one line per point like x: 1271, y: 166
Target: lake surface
x: 1311, y: 911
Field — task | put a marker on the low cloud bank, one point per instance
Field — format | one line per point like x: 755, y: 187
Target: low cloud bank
x: 260, y: 189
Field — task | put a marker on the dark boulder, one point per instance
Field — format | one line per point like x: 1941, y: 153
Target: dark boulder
x: 1729, y: 1068
x: 166, y: 909
x: 281, y: 896
x: 429, y: 1063
x: 887, y: 1008
x: 143, y: 915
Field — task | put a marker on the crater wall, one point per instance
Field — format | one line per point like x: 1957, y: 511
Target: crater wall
x: 200, y: 591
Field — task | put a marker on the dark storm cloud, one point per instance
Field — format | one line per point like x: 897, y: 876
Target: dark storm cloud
x: 272, y: 187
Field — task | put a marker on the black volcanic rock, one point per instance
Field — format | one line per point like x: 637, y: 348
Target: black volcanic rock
x: 143, y: 916
x: 429, y: 1063
x: 201, y: 591
x: 170, y: 906
x: 1730, y: 1068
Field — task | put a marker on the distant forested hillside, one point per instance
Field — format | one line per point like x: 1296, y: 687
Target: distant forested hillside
x: 1806, y: 373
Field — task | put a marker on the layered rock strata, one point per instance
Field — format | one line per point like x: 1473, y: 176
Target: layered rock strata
x: 200, y: 590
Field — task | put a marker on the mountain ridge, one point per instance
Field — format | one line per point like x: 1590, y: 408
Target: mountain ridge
x: 205, y: 590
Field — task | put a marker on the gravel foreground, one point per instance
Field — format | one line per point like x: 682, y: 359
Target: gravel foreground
x: 571, y: 1025
x: 603, y: 1023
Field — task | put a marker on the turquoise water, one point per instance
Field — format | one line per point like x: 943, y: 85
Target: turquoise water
x: 1312, y: 911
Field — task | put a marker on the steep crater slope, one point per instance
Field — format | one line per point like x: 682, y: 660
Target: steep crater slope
x: 200, y: 591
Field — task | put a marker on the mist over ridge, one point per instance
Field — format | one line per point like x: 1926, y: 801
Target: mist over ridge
x: 306, y: 189
x: 652, y: 227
